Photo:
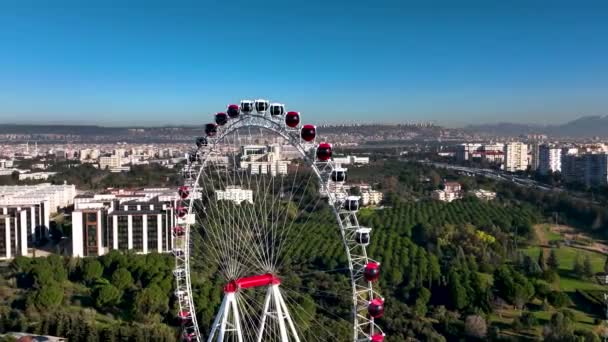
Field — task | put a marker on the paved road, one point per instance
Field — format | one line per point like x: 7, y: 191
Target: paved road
x: 503, y: 176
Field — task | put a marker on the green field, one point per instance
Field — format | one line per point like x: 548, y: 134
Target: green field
x: 567, y: 255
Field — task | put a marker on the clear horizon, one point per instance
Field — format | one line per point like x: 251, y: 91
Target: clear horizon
x: 153, y: 64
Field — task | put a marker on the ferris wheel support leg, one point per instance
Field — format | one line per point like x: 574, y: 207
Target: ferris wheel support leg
x: 292, y: 327
x: 218, y: 320
x: 237, y: 320
x: 280, y: 315
x: 269, y: 294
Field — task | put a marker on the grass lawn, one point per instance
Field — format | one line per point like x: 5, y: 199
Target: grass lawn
x: 551, y: 236
x: 567, y: 255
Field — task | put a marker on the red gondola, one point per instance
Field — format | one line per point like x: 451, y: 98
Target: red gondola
x: 183, y: 192
x: 246, y: 107
x: 181, y: 212
x: 377, y: 338
x: 375, y: 308
x: 371, y: 271
x: 184, y: 315
x: 233, y: 111
x: 292, y: 119
x: 211, y: 129
x: 221, y: 119
x: 308, y: 133
x: 324, y: 151
x: 178, y: 231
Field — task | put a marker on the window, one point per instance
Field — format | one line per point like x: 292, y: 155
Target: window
x: 123, y: 232
x: 138, y: 233
x: 153, y: 233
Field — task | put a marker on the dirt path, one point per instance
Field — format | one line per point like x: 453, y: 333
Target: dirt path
x: 539, y: 231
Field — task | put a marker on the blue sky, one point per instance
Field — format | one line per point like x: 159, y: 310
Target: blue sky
x: 177, y: 62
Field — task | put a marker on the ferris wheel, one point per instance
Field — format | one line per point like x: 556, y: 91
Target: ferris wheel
x: 255, y: 187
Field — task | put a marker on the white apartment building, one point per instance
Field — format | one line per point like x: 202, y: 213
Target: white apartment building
x: 111, y: 162
x: 549, y: 159
x: 235, y: 194
x: 484, y: 194
x: 516, y: 157
x: 351, y: 160
x: 452, y: 191
x: 140, y: 221
x: 260, y: 159
x: 25, y: 214
x: 36, y: 175
x: 371, y: 197
x: 465, y: 151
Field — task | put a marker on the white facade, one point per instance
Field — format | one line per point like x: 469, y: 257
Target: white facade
x: 56, y: 195
x: 235, y: 194
x: 139, y: 220
x: 465, y: 151
x: 111, y: 162
x: 371, y: 197
x: 484, y: 194
x: 516, y: 157
x: 550, y: 159
x: 36, y: 175
x: 347, y: 160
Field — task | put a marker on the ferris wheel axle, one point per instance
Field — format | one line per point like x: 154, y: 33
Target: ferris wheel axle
x: 261, y: 280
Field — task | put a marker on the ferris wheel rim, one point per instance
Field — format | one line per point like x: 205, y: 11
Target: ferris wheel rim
x: 270, y: 124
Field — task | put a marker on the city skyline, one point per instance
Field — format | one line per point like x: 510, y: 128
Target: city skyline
x: 153, y: 65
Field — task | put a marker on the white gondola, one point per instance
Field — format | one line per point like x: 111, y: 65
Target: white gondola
x: 261, y: 106
x: 362, y: 235
x: 351, y: 203
x: 338, y: 175
x: 246, y: 107
x: 277, y: 109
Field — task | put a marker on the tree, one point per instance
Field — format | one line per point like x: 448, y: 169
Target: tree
x: 541, y: 260
x: 552, y: 261
x: 560, y: 328
x: 421, y: 302
x: 150, y: 300
x: 122, y: 279
x: 107, y: 296
x: 92, y: 270
x: 558, y: 299
x: 48, y: 296
x: 579, y: 268
x: 475, y: 326
x: 606, y: 266
x: 587, y: 268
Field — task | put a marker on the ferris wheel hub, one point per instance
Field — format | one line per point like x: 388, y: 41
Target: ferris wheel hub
x: 260, y: 280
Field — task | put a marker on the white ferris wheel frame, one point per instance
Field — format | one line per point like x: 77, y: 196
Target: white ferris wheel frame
x: 363, y: 292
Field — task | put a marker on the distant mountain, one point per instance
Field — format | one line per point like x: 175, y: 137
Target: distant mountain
x: 587, y: 126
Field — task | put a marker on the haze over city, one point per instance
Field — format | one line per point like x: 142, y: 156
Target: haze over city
x: 149, y: 63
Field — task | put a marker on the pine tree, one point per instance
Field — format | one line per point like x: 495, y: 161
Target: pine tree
x: 552, y: 261
x: 587, y: 268
x: 606, y: 266
x: 541, y: 260
x: 578, y: 267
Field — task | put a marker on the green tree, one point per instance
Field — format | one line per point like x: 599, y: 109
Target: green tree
x: 541, y: 260
x: 92, y: 270
x: 48, y: 297
x: 587, y: 267
x: 150, y: 300
x: 560, y: 328
x: 579, y: 268
x: 552, y: 261
x: 107, y: 296
x: 122, y: 279
x: 424, y: 296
